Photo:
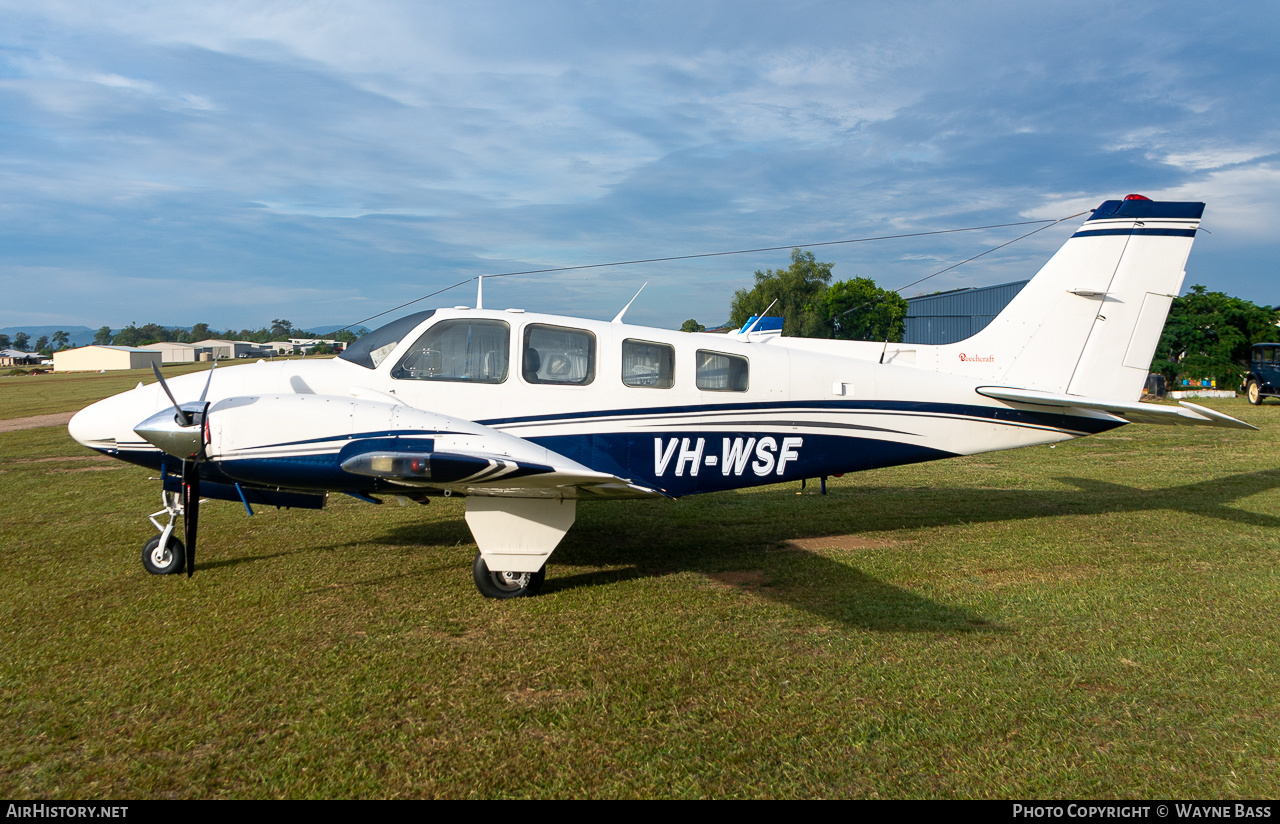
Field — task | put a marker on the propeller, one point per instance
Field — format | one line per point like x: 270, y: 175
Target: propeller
x: 182, y: 435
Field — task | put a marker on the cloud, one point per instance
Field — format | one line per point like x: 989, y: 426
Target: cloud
x: 331, y: 156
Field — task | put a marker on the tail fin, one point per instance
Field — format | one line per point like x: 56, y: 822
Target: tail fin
x: 1089, y: 322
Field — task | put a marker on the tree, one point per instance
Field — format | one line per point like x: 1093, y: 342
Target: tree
x: 5, y: 343
x: 281, y: 329
x: 21, y: 341
x: 797, y: 290
x: 200, y: 332
x: 61, y: 340
x: 103, y: 336
x: 692, y: 325
x: 857, y: 309
x: 42, y: 346
x: 128, y: 336
x: 347, y: 336
x: 1210, y: 334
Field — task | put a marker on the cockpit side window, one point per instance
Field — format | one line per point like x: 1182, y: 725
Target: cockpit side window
x: 373, y: 348
x: 471, y: 351
x: 558, y: 355
x: 718, y: 372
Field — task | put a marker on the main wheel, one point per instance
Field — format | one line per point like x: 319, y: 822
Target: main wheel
x: 1254, y: 393
x: 165, y: 560
x: 506, y: 584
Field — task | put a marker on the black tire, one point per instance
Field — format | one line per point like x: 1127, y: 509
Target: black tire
x: 1254, y: 393
x: 170, y: 562
x: 503, y: 585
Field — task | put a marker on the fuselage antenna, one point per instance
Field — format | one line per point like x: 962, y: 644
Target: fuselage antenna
x: 618, y: 318
x: 480, y: 292
x: 757, y: 321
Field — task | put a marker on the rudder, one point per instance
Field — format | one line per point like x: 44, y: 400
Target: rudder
x: 1088, y: 323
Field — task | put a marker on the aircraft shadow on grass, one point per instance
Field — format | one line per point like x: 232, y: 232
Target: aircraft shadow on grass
x: 771, y: 566
x: 843, y: 593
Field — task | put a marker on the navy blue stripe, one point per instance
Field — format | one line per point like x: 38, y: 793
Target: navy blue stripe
x: 631, y: 456
x: 1015, y: 417
x: 1147, y: 209
x: 1136, y: 231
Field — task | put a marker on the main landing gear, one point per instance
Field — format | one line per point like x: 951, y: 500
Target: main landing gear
x: 506, y: 584
x: 164, y: 554
x: 515, y: 536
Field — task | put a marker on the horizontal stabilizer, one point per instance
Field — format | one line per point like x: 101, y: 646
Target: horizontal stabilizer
x: 1187, y: 414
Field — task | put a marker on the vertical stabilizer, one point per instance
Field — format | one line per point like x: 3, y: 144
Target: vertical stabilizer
x: 1089, y: 321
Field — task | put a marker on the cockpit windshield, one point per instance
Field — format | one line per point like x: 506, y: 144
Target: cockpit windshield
x: 373, y: 348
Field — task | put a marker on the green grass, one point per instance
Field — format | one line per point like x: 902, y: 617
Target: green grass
x: 1094, y: 620
x: 24, y: 395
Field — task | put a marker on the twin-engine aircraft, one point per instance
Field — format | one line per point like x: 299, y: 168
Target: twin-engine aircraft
x: 526, y: 414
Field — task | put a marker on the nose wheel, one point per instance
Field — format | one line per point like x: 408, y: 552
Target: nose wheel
x: 164, y: 554
x: 506, y: 584
x: 166, y: 558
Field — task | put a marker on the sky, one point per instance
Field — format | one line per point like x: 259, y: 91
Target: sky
x: 233, y: 163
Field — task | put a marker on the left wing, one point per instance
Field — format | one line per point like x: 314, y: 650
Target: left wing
x: 298, y: 441
x: 478, y: 473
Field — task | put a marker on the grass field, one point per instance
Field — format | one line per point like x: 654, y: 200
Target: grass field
x: 1094, y: 620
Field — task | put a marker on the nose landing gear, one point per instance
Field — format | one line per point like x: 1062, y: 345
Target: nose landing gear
x: 164, y: 554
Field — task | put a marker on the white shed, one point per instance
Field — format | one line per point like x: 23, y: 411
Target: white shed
x: 98, y: 358
x: 171, y: 352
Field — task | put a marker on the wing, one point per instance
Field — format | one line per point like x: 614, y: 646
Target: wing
x: 1186, y: 414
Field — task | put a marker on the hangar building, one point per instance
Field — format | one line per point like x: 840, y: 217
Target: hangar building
x: 952, y: 316
x: 98, y: 358
x: 171, y: 352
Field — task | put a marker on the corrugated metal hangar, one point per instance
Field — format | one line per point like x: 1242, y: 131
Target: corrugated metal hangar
x: 952, y: 316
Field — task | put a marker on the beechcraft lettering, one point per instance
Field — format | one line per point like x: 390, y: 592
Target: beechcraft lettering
x: 527, y: 414
x: 735, y: 453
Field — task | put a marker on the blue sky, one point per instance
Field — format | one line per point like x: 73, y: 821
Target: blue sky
x: 237, y: 162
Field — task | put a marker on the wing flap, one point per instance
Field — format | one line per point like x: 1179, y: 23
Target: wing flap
x: 1186, y: 414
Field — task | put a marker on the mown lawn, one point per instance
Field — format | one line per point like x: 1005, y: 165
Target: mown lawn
x: 1094, y: 620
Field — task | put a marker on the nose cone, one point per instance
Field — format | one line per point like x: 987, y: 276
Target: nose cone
x: 108, y: 424
x: 81, y: 427
x: 95, y: 425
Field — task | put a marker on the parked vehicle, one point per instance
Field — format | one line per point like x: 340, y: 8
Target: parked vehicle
x: 1263, y: 379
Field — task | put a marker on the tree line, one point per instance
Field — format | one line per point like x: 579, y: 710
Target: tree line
x: 147, y: 334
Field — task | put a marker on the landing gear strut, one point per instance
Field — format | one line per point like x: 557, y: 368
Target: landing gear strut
x: 165, y: 554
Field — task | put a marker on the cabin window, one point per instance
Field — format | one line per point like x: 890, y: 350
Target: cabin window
x: 648, y: 364
x: 718, y: 372
x: 472, y: 351
x: 558, y: 356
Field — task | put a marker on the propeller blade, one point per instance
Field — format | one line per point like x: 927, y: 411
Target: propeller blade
x: 165, y: 387
x: 208, y: 381
x: 190, y: 510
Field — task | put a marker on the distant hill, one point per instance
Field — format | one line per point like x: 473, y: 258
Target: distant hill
x: 77, y: 335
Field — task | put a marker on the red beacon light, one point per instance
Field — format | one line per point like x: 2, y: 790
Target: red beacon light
x: 1136, y: 197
